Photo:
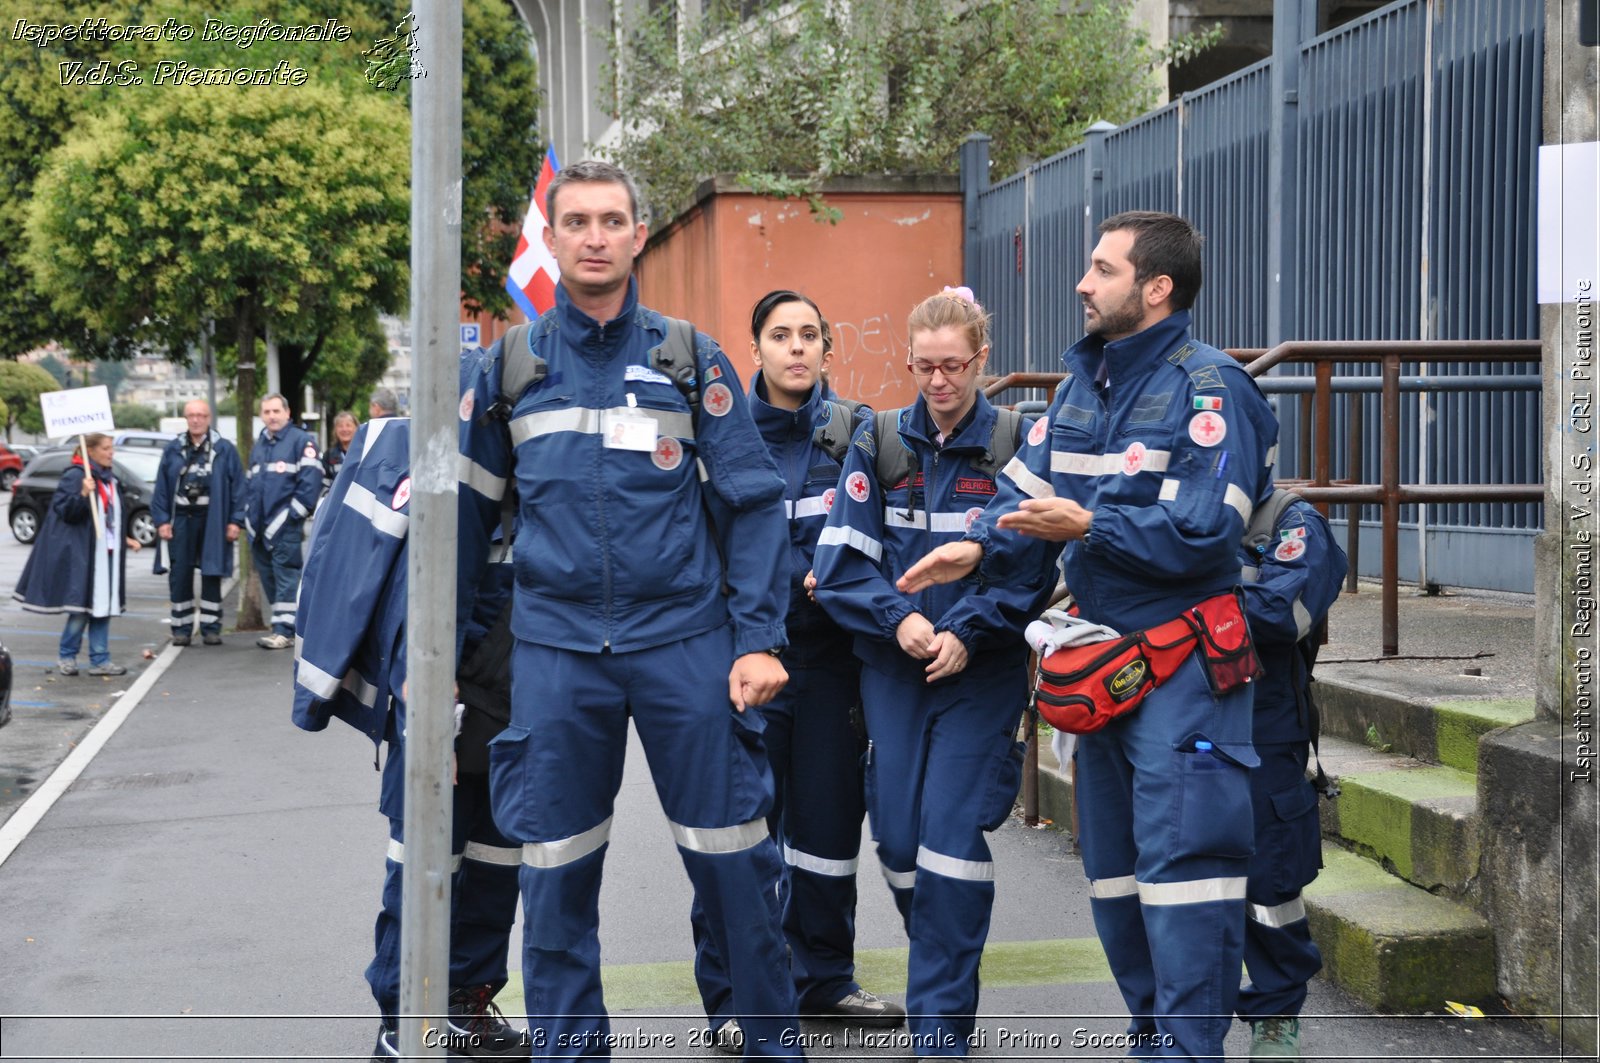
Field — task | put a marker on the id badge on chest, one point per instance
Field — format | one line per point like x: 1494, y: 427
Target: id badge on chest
x: 629, y: 430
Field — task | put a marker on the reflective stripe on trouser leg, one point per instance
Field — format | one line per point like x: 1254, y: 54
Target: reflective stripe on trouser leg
x: 211, y: 604
x: 679, y: 699
x: 1279, y: 955
x: 183, y: 554
x: 484, y: 896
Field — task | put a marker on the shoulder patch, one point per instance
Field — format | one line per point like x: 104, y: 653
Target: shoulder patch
x: 1290, y: 549
x: 865, y: 441
x: 465, y: 409
x: 402, y: 494
x: 857, y: 486
x: 1181, y: 355
x: 718, y: 400
x: 1206, y: 378
x: 310, y: 451
x: 1037, y: 433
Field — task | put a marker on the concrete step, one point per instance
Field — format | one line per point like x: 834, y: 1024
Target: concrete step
x: 1438, y: 721
x: 1397, y: 947
x: 1419, y: 821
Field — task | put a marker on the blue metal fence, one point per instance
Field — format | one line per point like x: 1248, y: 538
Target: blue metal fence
x: 1401, y: 199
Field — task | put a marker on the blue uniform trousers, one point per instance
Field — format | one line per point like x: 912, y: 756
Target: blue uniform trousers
x: 483, y: 891
x: 556, y: 771
x: 183, y: 557
x: 815, y: 755
x: 279, y: 563
x: 1167, y: 833
x: 1279, y: 954
x: 942, y: 769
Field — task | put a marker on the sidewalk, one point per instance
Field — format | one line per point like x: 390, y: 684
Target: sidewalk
x: 208, y: 886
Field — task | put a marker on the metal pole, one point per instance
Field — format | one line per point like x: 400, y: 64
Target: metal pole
x: 974, y: 182
x: 1391, y: 505
x: 430, y: 617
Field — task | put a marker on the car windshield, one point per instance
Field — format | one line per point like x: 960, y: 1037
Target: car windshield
x: 141, y: 460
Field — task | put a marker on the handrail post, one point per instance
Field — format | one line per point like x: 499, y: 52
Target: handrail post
x: 1352, y: 512
x: 1391, y: 504
x: 1324, y: 421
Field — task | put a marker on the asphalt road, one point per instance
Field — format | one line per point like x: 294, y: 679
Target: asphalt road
x: 206, y: 889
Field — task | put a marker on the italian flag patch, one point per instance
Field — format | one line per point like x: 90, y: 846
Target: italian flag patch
x: 1208, y: 402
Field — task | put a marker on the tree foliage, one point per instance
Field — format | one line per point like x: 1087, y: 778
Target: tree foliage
x: 20, y: 387
x: 135, y: 415
x: 828, y: 89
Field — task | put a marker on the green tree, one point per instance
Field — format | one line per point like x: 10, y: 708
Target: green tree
x: 111, y: 374
x: 890, y: 87
x: 20, y: 387
x: 135, y: 415
x: 56, y: 368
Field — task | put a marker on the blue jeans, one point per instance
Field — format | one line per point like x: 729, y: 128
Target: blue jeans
x: 99, y: 637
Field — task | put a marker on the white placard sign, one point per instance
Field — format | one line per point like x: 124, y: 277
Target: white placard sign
x: 77, y: 410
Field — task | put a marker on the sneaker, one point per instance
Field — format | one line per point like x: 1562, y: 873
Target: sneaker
x: 729, y: 1038
x: 478, y: 1028
x: 865, y: 1009
x: 1275, y: 1038
x: 180, y: 640
x: 67, y: 666
x: 108, y: 669
x: 274, y: 642
x: 211, y: 640
x: 388, y: 1046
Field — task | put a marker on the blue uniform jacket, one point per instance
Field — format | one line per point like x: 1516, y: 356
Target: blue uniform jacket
x: 1289, y: 586
x: 874, y: 535
x: 612, y: 547
x: 59, y: 574
x: 284, y: 480
x: 351, y: 622
x: 810, y: 476
x: 227, y: 499
x: 1172, y: 455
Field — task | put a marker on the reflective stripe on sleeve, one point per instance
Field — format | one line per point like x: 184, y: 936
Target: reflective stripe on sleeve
x: 1249, y: 574
x: 276, y: 522
x: 818, y: 865
x: 298, y: 507
x: 493, y: 854
x: 388, y: 521
x: 1075, y: 464
x: 1104, y: 889
x: 701, y: 471
x: 480, y: 479
x: 951, y: 867
x: 311, y: 463
x: 733, y: 839
x: 1290, y: 911
x: 1197, y: 891
x: 842, y: 536
x: 942, y: 522
x: 814, y: 506
x: 1272, y: 455
x: 1302, y: 619
x: 1017, y: 472
x: 566, y: 850
x: 589, y: 421
x: 1239, y: 501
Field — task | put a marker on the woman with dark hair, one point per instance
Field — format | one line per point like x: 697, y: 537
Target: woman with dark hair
x: 812, y: 743
x: 79, y: 564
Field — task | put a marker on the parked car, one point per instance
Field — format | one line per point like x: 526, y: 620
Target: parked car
x: 26, y: 451
x: 134, y: 468
x: 10, y: 467
x: 132, y: 437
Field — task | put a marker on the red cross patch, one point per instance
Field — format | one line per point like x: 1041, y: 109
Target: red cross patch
x: 1208, y: 429
x: 973, y: 514
x: 857, y: 487
x: 827, y: 499
x: 1290, y: 549
x: 466, y: 405
x: 668, y: 454
x: 718, y: 400
x: 1036, y: 434
x: 1133, y: 458
x: 402, y: 494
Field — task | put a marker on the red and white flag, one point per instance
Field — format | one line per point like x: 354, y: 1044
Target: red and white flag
x: 532, y: 279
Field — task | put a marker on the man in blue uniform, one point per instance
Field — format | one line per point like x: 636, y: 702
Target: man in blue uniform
x: 285, y: 478
x: 1148, y: 466
x: 350, y: 663
x: 198, y: 507
x: 651, y: 581
x: 1291, y: 577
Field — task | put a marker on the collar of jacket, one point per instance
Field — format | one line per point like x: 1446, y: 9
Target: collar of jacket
x: 777, y: 423
x: 972, y: 433
x: 1128, y: 360
x: 583, y: 333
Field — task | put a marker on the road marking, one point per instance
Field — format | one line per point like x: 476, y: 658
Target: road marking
x: 34, y: 808
x: 1006, y: 964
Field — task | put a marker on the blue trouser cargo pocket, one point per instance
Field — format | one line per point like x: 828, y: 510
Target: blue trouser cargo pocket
x: 1002, y: 795
x: 1213, y: 815
x: 509, y: 799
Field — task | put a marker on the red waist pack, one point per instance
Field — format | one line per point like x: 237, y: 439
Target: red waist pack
x: 1083, y: 688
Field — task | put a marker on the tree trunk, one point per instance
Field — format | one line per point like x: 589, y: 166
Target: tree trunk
x: 249, y: 616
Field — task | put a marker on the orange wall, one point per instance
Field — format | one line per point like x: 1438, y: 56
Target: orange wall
x: 866, y: 273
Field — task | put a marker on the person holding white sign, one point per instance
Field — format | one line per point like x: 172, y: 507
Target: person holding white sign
x: 79, y: 564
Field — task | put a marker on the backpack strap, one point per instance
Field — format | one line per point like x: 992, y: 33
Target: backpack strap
x: 1263, y: 529
x: 894, y: 457
x: 520, y: 369
x: 676, y: 360
x: 1003, y: 442
x: 833, y: 435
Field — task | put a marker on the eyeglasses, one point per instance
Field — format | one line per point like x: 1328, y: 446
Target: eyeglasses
x: 950, y: 368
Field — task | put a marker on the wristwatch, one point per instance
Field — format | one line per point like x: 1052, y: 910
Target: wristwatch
x: 775, y: 651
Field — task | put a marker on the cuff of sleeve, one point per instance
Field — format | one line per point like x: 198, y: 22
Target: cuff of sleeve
x: 963, y: 630
x: 989, y: 570
x: 758, y: 639
x: 894, y: 616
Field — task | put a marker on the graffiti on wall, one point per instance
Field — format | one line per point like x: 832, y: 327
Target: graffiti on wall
x: 869, y: 356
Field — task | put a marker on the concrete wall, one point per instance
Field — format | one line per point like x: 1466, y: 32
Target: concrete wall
x: 899, y: 240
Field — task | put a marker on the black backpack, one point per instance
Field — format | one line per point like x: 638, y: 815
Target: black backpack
x: 895, y: 461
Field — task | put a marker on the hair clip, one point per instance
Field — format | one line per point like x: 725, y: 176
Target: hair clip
x: 963, y: 292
